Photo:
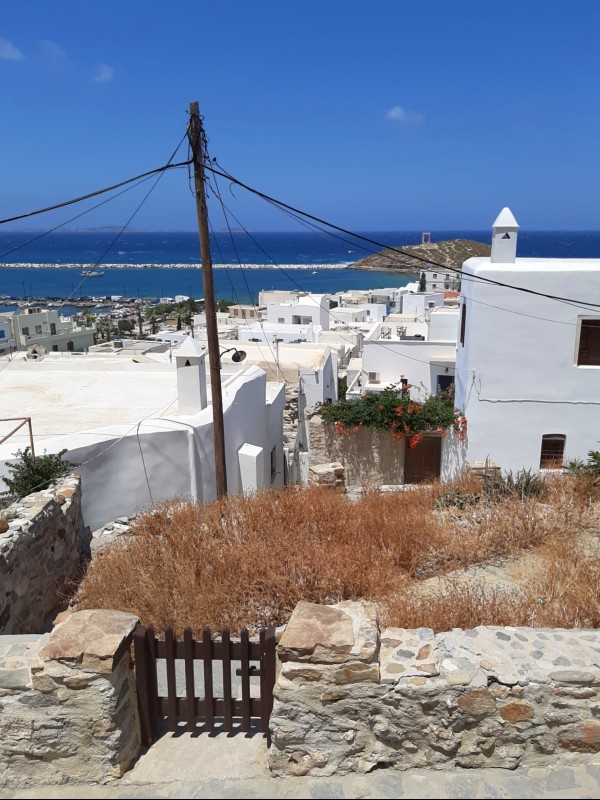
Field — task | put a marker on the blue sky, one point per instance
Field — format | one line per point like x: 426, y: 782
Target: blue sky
x: 393, y: 115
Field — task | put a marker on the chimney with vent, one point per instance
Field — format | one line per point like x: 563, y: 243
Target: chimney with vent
x: 504, y: 238
x: 190, y: 360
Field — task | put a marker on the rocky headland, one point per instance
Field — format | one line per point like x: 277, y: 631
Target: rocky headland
x: 451, y: 253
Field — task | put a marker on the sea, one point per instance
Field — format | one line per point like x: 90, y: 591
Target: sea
x: 151, y: 265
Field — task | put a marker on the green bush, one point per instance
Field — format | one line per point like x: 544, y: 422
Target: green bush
x: 579, y: 467
x: 33, y: 474
x: 456, y: 498
x: 392, y: 410
x: 523, y: 483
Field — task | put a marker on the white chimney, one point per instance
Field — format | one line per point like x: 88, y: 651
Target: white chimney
x: 504, y: 238
x: 190, y: 360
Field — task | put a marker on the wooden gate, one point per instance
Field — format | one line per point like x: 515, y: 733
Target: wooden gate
x: 423, y: 462
x: 167, y: 689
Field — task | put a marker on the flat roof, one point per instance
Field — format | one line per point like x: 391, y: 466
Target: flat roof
x: 65, y: 396
x: 479, y: 264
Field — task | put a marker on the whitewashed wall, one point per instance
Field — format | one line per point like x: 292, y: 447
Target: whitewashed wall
x: 123, y: 472
x: 517, y: 377
x: 419, y: 362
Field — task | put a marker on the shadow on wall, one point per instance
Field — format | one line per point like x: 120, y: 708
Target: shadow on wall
x: 370, y: 457
x: 454, y: 457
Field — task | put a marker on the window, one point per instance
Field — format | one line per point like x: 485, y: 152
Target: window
x: 53, y: 328
x: 38, y: 328
x: 55, y: 348
x: 2, y: 334
x: 589, y: 343
x: 434, y: 285
x: 281, y: 320
x: 25, y: 331
x: 553, y: 449
x: 435, y: 274
x: 373, y: 377
x: 463, y: 322
x: 444, y: 382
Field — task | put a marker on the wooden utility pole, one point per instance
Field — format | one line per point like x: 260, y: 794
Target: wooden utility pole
x: 197, y: 143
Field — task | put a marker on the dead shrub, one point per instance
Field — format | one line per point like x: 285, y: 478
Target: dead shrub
x: 247, y: 561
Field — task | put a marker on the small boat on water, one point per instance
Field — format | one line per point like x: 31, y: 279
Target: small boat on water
x: 92, y: 273
x: 314, y: 272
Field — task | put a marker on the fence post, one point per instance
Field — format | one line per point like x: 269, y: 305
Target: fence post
x: 270, y: 655
x: 140, y: 645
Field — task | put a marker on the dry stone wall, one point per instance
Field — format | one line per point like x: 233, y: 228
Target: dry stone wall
x: 39, y: 556
x: 68, y: 707
x: 350, y: 699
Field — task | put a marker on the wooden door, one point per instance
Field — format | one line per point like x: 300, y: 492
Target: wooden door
x: 423, y: 462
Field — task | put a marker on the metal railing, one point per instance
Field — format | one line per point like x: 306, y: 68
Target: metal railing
x: 24, y: 421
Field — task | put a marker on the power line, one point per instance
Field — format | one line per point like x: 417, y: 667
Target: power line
x: 237, y: 299
x: 305, y: 214
x: 464, y: 277
x: 224, y: 210
x: 159, y: 174
x: 131, y: 217
x: 56, y: 206
x: 331, y: 314
x: 72, y: 219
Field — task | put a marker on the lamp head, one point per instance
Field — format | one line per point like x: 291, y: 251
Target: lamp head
x: 238, y: 356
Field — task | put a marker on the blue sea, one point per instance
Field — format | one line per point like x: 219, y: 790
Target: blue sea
x: 310, y: 261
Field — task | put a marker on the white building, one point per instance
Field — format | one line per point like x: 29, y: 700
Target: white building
x: 528, y: 367
x: 303, y: 310
x: 47, y: 328
x: 273, y: 332
x: 421, y: 352
x: 8, y: 343
x: 142, y: 431
x: 439, y: 279
x: 418, y: 304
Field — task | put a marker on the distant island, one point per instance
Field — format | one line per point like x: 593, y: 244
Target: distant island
x: 451, y: 253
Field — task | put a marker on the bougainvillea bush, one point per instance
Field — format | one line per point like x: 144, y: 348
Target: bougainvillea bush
x: 392, y: 410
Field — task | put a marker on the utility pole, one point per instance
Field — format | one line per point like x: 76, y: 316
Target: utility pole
x: 197, y: 143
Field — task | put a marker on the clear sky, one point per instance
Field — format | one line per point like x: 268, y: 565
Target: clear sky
x: 386, y: 115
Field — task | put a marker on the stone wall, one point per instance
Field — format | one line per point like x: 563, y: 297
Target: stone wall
x: 39, y: 556
x: 68, y: 707
x: 370, y: 458
x: 351, y: 699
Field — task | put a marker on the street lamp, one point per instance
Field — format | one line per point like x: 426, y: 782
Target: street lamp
x: 238, y: 355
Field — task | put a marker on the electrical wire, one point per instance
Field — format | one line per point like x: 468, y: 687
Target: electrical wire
x: 72, y: 219
x: 159, y: 174
x: 305, y: 214
x: 329, y: 311
x: 237, y: 299
x: 464, y: 277
x: 56, y: 206
x: 224, y: 210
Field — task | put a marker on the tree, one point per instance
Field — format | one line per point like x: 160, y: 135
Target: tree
x: 423, y: 282
x: 33, y: 474
x: 223, y: 305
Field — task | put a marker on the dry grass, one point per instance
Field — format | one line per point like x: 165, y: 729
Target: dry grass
x: 248, y: 561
